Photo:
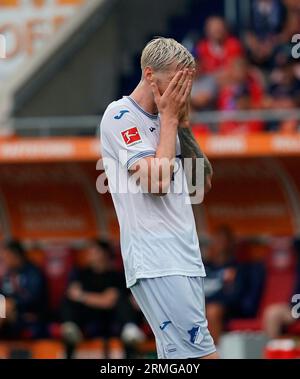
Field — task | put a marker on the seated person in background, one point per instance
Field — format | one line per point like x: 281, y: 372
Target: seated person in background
x: 204, y: 91
x: 284, y: 93
x: 221, y: 271
x: 233, y: 289
x: 218, y: 48
x: 266, y: 24
x: 204, y: 95
x: 291, y: 27
x: 278, y: 316
x: 24, y: 288
x: 292, y: 19
x: 96, y: 303
x: 241, y: 89
x: 249, y: 282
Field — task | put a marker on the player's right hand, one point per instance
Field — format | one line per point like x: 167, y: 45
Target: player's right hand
x: 171, y: 103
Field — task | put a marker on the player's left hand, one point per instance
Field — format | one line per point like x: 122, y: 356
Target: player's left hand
x: 184, y: 120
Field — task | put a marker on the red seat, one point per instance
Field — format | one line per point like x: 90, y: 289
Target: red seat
x: 294, y: 328
x: 280, y: 279
x: 249, y: 324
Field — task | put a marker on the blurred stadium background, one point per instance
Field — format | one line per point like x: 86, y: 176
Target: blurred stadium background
x: 65, y: 61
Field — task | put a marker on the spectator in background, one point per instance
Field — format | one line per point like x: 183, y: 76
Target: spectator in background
x: 249, y: 282
x: 233, y: 288
x: 292, y: 8
x: 291, y: 26
x: 284, y: 85
x: 284, y: 93
x: 205, y: 90
x: 277, y: 317
x: 204, y: 95
x: 24, y: 288
x: 241, y: 89
x: 267, y: 18
x: 261, y: 40
x: 218, y: 48
x: 96, y: 303
x: 221, y: 270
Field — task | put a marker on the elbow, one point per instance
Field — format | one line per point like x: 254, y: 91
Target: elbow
x: 156, y: 180
x: 161, y: 188
x: 158, y: 186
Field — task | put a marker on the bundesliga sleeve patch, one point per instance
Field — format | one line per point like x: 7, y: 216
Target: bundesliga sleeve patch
x: 131, y: 136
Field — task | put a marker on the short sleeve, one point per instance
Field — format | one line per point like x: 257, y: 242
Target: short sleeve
x: 123, y: 138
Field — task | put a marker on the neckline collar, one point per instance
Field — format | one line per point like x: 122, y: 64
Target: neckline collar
x: 150, y: 115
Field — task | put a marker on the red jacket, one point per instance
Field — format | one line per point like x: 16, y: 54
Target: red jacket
x: 213, y: 58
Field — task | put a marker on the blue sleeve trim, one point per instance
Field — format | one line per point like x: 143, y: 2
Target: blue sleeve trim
x: 142, y: 154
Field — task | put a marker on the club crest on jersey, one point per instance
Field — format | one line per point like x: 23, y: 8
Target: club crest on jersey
x: 131, y: 136
x: 196, y: 336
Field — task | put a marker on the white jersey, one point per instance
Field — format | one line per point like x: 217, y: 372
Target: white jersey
x: 158, y: 233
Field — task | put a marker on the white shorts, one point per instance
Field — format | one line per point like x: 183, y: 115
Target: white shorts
x: 174, y: 306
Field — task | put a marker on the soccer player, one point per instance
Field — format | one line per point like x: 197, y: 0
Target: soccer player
x: 141, y: 136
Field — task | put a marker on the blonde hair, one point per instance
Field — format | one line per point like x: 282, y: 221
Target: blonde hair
x: 162, y: 52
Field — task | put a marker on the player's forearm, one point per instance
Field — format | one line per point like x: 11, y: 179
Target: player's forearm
x: 166, y: 148
x: 165, y: 154
x: 154, y: 174
x: 169, y: 105
x: 191, y: 149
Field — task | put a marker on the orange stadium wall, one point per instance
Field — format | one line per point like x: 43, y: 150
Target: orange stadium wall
x: 48, y: 188
x: 255, y: 196
x: 59, y: 200
x: 54, y: 201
